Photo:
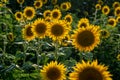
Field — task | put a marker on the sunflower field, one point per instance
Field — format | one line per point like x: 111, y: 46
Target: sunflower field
x: 59, y: 39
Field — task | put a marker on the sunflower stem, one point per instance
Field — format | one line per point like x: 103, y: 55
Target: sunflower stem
x: 95, y: 17
x: 25, y: 50
x: 56, y: 50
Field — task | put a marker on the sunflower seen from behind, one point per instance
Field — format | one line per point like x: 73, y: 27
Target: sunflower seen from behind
x: 20, y: 1
x: 27, y: 32
x: 90, y: 71
x: 58, y: 29
x: 83, y: 22
x: 105, y: 10
x: 29, y: 13
x: 68, y: 18
x: 56, y: 14
x: 112, y: 22
x: 40, y: 28
x: 86, y: 39
x: 19, y: 16
x: 53, y: 71
x: 38, y: 4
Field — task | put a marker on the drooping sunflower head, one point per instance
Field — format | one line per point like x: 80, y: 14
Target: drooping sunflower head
x: 46, y: 13
x: 98, y: 6
x: 117, y: 11
x: 118, y: 57
x: 38, y: 4
x: 86, y: 39
x: 112, y: 22
x: 106, y: 10
x: 53, y: 71
x: 83, y: 22
x: 105, y: 33
x: 27, y: 32
x: 118, y: 19
x: 115, y: 4
x: 68, y: 18
x: 54, y: 2
x: 64, y: 6
x: 90, y: 71
x: 58, y: 29
x: 29, y: 13
x: 19, y: 16
x: 40, y: 28
x: 10, y: 37
x: 20, y: 1
x: 56, y: 14
x: 44, y: 1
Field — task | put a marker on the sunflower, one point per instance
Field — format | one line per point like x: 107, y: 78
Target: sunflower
x: 100, y: 2
x: 69, y: 4
x: 19, y: 16
x: 64, y: 6
x: 56, y: 14
x: 28, y: 33
x: 68, y: 18
x: 54, y: 1
x: 20, y: 1
x: 115, y: 5
x: 46, y: 13
x: 38, y: 4
x: 48, y: 19
x: 58, y: 29
x: 44, y: 1
x: 104, y: 33
x: 90, y: 71
x: 112, y: 22
x: 56, y: 7
x: 10, y: 36
x: 5, y: 1
x: 117, y: 11
x: 83, y: 22
x: 98, y: 6
x: 106, y: 10
x: 40, y: 28
x: 118, y: 19
x: 66, y: 41
x: 29, y: 13
x: 85, y: 39
x: 118, y: 57
x: 53, y: 71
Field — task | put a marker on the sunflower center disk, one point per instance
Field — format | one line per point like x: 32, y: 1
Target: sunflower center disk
x: 40, y: 28
x: 55, y: 14
x: 29, y: 13
x: 19, y: 15
x: 118, y: 11
x: 83, y: 25
x: 90, y: 74
x: 105, y: 10
x: 53, y: 73
x: 85, y: 38
x: 111, y: 22
x: 29, y: 32
x: 37, y: 4
x: 57, y: 30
